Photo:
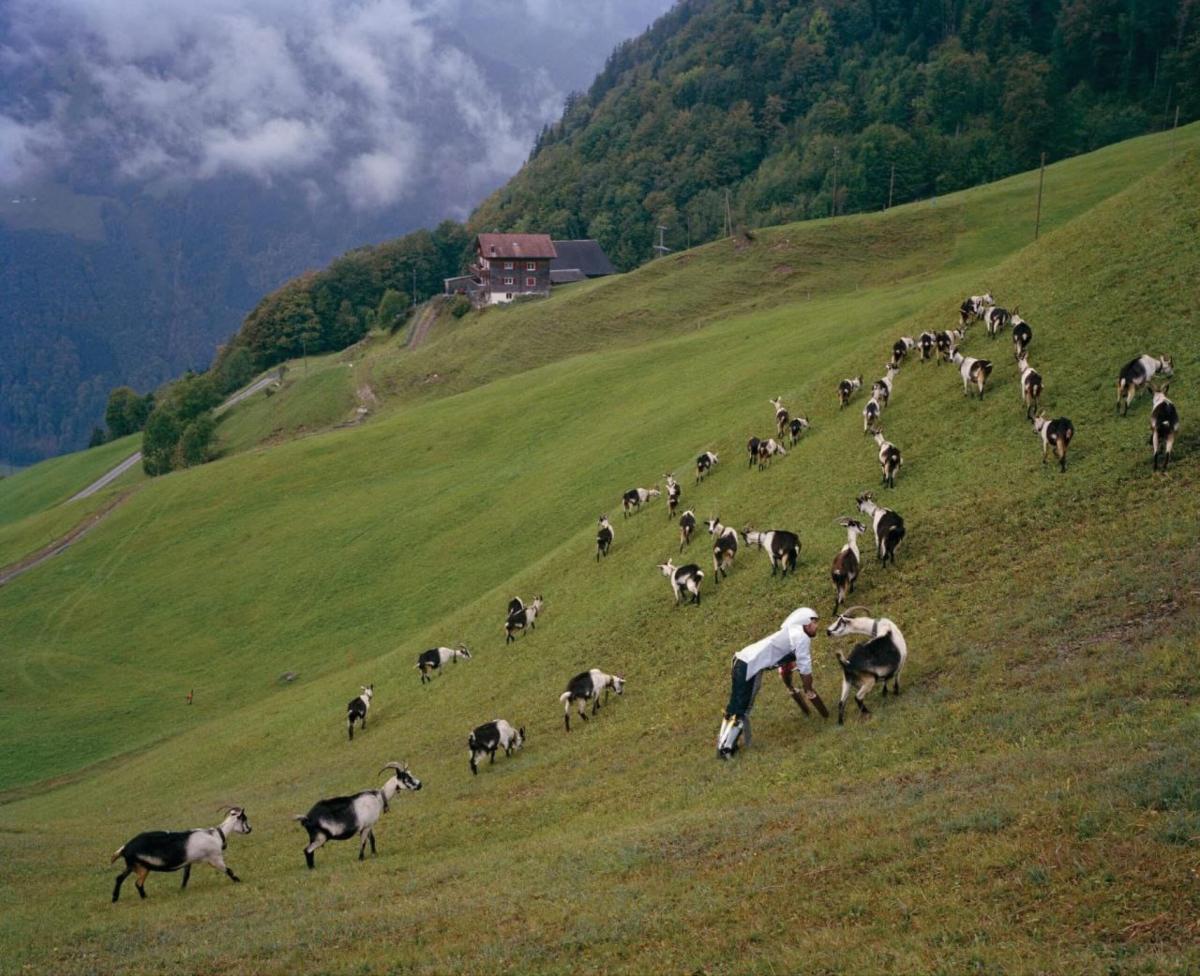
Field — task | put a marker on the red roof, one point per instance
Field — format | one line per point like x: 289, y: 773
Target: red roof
x: 516, y: 246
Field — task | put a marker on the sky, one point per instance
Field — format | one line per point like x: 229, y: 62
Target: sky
x: 354, y: 100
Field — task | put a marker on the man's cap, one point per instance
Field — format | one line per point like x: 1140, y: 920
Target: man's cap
x: 806, y: 615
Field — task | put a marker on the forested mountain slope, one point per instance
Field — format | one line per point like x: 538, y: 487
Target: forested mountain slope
x: 786, y: 106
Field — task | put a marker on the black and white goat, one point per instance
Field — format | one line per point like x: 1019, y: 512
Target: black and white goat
x: 881, y: 658
x: 971, y: 308
x: 1022, y: 335
x: 514, y: 605
x: 357, y: 708
x: 1031, y: 386
x: 847, y: 388
x: 996, y: 320
x: 435, y: 657
x: 847, y: 562
x: 1137, y: 373
x: 889, y: 459
x: 170, y: 850
x: 604, y: 538
x: 487, y: 739
x: 725, y: 546
x: 886, y: 524
x: 882, y: 388
x: 781, y: 416
x: 587, y: 687
x: 767, y: 450
x: 782, y: 548
x: 1164, y: 424
x: 927, y: 341
x: 685, y: 581
x: 1056, y: 435
x: 635, y: 498
x: 704, y: 464
x: 674, y: 491
x: 687, y: 525
x: 796, y: 427
x: 523, y: 618
x: 901, y: 348
x: 341, y: 817
x: 974, y: 372
x: 752, y: 449
x: 947, y: 342
x: 871, y: 412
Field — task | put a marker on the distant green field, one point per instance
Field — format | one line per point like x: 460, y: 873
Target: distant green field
x: 37, y: 488
x: 1030, y: 803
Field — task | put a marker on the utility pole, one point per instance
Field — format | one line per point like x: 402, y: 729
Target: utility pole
x: 1173, y: 128
x: 1037, y: 227
x: 833, y: 205
x: 661, y: 248
x: 891, y: 186
x: 414, y: 288
x: 728, y: 217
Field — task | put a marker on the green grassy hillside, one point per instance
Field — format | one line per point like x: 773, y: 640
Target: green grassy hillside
x: 1031, y: 803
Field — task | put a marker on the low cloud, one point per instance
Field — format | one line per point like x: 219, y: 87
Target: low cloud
x: 366, y: 99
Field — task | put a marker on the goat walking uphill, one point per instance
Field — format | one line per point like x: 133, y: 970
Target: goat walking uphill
x: 685, y: 580
x: 886, y: 524
x: 1136, y: 374
x: 170, y: 850
x: 435, y: 658
x: 847, y: 562
x: 782, y: 548
x: 587, y: 687
x: 878, y: 659
x: 357, y: 708
x: 1164, y: 425
x: 341, y: 817
x: 486, y: 739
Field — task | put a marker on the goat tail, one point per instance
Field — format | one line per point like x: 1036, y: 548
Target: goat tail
x: 565, y: 697
x: 301, y: 818
x: 117, y: 853
x: 845, y: 664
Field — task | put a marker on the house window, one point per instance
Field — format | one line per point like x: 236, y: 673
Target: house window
x: 484, y: 262
x: 508, y: 281
x: 509, y: 296
x: 508, y: 266
x: 531, y: 282
x: 530, y: 266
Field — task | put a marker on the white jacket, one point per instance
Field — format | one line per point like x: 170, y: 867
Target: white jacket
x: 788, y: 643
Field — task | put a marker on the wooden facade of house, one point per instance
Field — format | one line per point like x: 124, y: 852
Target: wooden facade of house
x: 509, y: 266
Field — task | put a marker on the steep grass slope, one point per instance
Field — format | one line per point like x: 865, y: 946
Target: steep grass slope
x: 1030, y: 803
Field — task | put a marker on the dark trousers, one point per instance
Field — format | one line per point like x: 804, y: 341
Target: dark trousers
x: 742, y: 691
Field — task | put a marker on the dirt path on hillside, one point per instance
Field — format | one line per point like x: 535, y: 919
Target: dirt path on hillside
x: 424, y: 322
x: 61, y: 544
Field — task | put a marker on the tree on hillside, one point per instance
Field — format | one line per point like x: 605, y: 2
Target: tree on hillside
x: 127, y: 411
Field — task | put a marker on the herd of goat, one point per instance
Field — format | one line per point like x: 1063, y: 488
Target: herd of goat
x: 879, y: 659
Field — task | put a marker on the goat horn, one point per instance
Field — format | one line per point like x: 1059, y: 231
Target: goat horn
x: 849, y: 610
x: 394, y: 765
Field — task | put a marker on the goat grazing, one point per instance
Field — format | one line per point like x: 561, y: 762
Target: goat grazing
x: 900, y: 349
x: 796, y: 427
x: 341, y: 817
x: 1054, y: 434
x: 971, y: 308
x: 357, y: 708
x: 525, y: 617
x: 1137, y: 373
x: 604, y: 538
x: 725, y: 546
x: 752, y: 449
x: 782, y: 547
x: 886, y: 524
x: 673, y: 493
x: 781, y: 416
x: 635, y: 498
x: 947, y: 342
x: 687, y: 525
x: 1031, y: 386
x: 170, y: 850
x: 1164, y: 424
x: 684, y: 580
x: 704, y: 464
x: 889, y: 459
x: 767, y: 450
x: 847, y: 388
x: 871, y: 415
x: 882, y: 388
x: 433, y: 659
x: 1022, y: 335
x: 879, y: 659
x: 995, y: 320
x: 927, y: 341
x: 486, y: 739
x: 846, y: 563
x: 586, y: 687
x: 974, y: 372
